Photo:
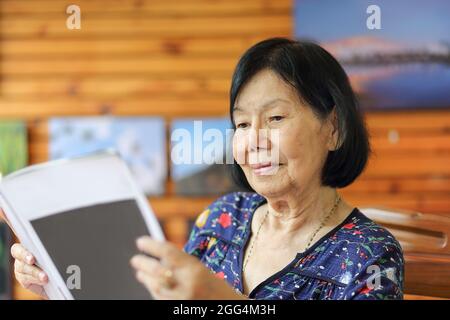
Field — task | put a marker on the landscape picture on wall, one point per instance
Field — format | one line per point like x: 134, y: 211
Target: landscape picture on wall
x: 140, y: 141
x: 201, y: 149
x: 396, y: 53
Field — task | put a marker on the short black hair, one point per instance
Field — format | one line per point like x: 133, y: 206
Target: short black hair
x: 322, y: 83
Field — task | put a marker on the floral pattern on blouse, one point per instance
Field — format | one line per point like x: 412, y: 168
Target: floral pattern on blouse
x: 358, y: 259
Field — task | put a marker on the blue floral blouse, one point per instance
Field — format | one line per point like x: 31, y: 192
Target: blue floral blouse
x: 358, y: 259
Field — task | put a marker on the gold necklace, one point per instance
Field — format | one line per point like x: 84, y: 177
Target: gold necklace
x: 333, y: 209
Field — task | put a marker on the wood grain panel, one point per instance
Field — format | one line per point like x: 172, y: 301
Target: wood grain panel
x: 417, y: 121
x: 149, y: 7
x: 169, y: 108
x: 117, y: 87
x: 27, y: 49
x: 129, y: 26
x: 118, y: 66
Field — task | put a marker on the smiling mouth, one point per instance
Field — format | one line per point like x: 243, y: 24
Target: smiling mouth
x: 264, y: 168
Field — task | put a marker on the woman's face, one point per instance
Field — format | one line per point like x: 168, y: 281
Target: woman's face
x: 280, y: 144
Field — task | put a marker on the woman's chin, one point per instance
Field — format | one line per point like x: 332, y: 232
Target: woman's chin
x: 267, y: 182
x: 266, y: 186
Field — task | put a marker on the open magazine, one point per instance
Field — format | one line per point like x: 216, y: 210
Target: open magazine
x: 80, y: 218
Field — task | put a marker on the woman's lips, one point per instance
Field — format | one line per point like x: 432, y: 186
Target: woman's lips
x: 264, y: 168
x: 260, y: 165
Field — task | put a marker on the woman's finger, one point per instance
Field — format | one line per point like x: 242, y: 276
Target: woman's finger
x: 20, y: 253
x: 160, y: 249
x: 149, y: 282
x: 148, y: 265
x: 33, y: 271
x: 26, y: 280
x: 153, y: 285
x: 152, y: 268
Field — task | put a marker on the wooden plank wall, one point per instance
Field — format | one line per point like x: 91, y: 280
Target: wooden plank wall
x: 175, y: 58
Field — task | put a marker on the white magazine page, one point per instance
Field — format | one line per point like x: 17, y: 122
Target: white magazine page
x: 78, y: 211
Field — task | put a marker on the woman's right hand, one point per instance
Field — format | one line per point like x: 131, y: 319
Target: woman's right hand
x: 30, y: 276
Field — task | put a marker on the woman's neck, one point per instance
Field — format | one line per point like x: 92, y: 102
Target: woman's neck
x: 295, y: 211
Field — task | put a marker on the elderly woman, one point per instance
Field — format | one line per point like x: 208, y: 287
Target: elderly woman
x: 291, y: 236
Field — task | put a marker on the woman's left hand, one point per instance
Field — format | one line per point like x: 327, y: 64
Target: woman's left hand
x: 177, y: 275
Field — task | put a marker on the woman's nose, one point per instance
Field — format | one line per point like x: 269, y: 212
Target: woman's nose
x: 258, y: 138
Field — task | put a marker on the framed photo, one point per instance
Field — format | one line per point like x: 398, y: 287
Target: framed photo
x: 205, y: 146
x: 396, y: 53
x: 13, y: 146
x: 141, y: 142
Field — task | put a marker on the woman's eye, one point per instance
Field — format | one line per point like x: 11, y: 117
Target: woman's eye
x: 242, y: 125
x: 276, y: 118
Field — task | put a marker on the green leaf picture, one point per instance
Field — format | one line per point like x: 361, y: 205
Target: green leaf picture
x: 13, y: 146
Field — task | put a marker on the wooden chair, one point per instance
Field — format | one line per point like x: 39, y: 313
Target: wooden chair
x: 425, y: 242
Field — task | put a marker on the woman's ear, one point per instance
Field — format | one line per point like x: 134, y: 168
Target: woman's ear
x: 334, y: 141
